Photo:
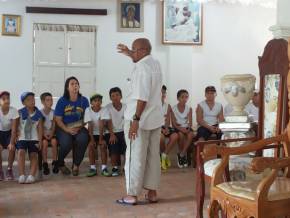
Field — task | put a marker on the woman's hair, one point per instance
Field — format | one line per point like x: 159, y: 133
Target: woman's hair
x: 66, y: 92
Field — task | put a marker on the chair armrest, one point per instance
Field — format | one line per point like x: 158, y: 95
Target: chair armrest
x: 258, y: 145
x: 259, y: 164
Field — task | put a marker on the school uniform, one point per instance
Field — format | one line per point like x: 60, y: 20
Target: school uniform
x: 95, y: 118
x: 48, y: 122
x: 171, y: 130
x: 117, y: 117
x: 142, y: 166
x: 210, y: 116
x: 6, y: 125
x: 28, y: 130
x: 182, y: 118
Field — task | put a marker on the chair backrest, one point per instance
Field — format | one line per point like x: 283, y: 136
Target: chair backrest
x: 273, y: 113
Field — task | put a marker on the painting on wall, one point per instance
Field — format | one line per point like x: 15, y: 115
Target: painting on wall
x: 11, y: 25
x: 130, y: 16
x: 182, y: 22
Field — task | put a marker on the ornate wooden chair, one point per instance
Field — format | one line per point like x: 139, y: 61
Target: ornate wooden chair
x: 273, y: 65
x: 268, y: 197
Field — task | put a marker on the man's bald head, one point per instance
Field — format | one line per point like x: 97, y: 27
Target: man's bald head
x: 143, y: 44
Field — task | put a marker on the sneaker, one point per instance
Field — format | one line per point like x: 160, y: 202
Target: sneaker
x: 185, y: 162
x: 105, y: 172
x: 65, y: 171
x: 179, y: 161
x: 168, y: 162
x: 163, y: 163
x: 9, y: 175
x: 30, y: 179
x: 1, y: 176
x: 55, y: 169
x: 92, y: 172
x: 21, y: 179
x: 46, y: 170
x: 115, y: 172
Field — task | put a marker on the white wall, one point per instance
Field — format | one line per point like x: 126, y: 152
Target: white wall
x: 234, y: 36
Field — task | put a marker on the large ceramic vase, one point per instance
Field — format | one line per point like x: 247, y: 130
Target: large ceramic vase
x: 238, y: 90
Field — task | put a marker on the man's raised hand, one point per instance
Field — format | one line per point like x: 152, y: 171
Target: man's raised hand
x: 123, y: 49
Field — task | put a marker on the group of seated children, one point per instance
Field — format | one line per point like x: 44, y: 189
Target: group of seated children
x: 178, y: 124
x: 33, y: 130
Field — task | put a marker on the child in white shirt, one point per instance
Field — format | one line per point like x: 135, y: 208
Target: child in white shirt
x: 30, y: 136
x: 95, y: 116
x: 182, y: 121
x: 8, y: 133
x: 116, y: 143
x: 48, y: 133
x: 166, y: 132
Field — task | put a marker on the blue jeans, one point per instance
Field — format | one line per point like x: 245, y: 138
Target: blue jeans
x: 66, y: 141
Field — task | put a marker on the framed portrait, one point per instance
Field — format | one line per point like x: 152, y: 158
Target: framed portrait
x: 11, y: 25
x: 182, y: 22
x: 130, y: 16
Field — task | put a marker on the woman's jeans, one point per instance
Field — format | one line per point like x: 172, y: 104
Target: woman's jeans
x: 67, y: 142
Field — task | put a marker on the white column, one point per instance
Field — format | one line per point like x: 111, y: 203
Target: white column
x: 282, y: 28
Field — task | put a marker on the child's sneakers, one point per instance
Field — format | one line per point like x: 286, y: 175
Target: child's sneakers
x: 92, y: 172
x: 163, y: 162
x: 1, y: 175
x: 21, y: 179
x: 46, y: 170
x: 30, y: 179
x: 168, y: 162
x: 105, y: 172
x: 185, y: 162
x: 179, y: 161
x: 9, y: 175
x: 182, y: 161
x: 115, y: 172
x: 55, y: 169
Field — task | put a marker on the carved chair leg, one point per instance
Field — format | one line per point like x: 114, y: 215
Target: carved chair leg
x: 200, y: 183
x: 213, y: 209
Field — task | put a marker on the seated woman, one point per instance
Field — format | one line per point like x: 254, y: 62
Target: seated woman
x: 208, y: 114
x: 69, y: 117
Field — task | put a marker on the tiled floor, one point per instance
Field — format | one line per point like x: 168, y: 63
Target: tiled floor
x: 72, y: 197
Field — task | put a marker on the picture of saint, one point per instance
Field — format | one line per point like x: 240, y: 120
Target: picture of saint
x: 182, y: 22
x: 10, y: 25
x: 130, y: 15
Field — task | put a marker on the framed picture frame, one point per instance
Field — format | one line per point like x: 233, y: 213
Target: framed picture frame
x: 11, y: 25
x: 182, y: 22
x: 130, y: 16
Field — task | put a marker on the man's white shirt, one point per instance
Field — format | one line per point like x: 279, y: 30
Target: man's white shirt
x: 145, y: 85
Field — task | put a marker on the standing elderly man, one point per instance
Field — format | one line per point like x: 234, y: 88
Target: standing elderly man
x: 143, y: 121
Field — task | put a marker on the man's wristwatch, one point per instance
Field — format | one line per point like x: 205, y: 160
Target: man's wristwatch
x: 136, y: 118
